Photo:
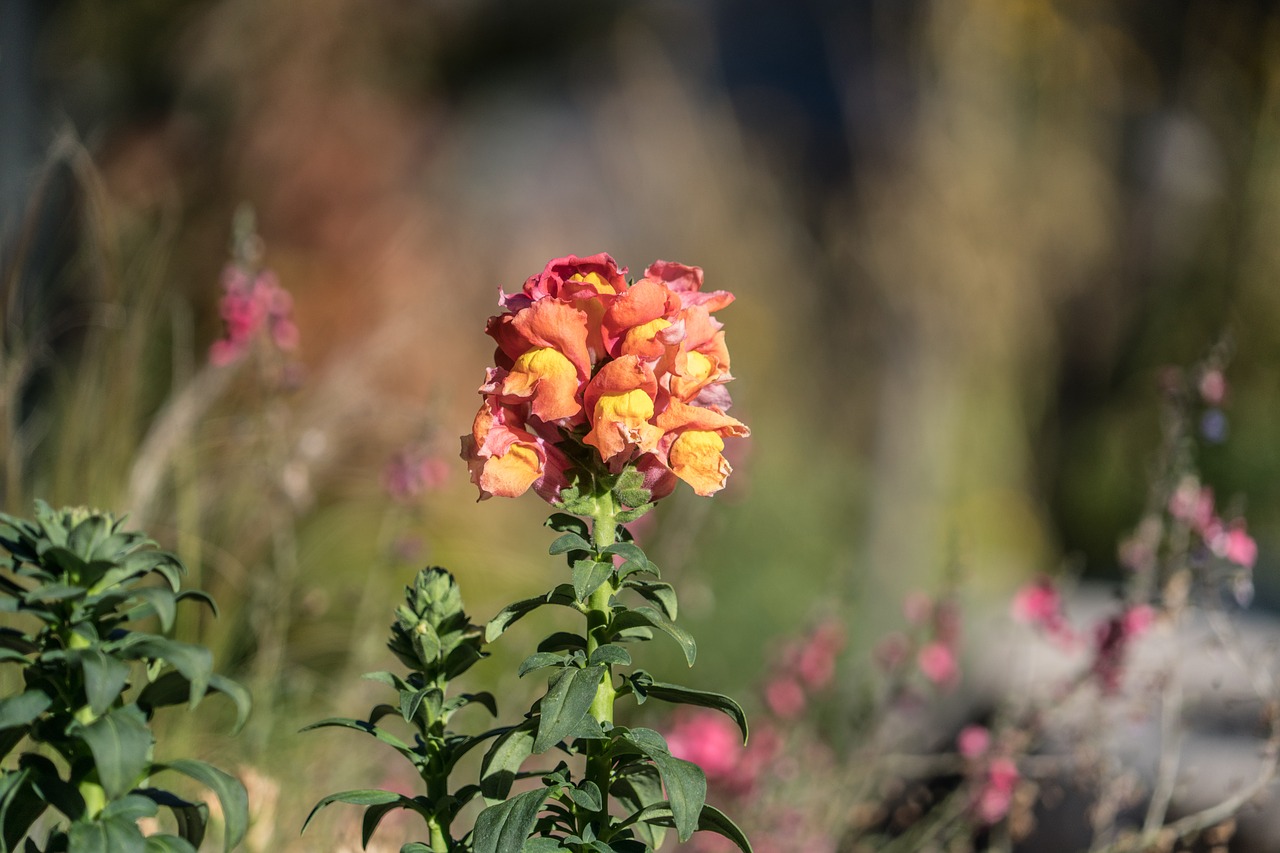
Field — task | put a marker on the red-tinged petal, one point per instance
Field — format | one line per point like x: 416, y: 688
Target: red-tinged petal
x: 679, y: 416
x: 644, y: 301
x: 687, y: 282
x: 696, y: 458
x: 556, y: 325
x: 546, y: 378
x: 659, y: 479
x: 645, y: 341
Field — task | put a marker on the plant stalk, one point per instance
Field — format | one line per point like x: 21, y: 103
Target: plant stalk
x: 599, y: 762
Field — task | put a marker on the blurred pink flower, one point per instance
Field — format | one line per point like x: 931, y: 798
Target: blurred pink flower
x: 973, y: 741
x: 410, y: 472
x: 937, y: 663
x: 816, y: 659
x: 249, y: 307
x: 785, y: 697
x: 1039, y: 605
x: 1213, y: 387
x: 1234, y: 544
x: 996, y: 795
x: 708, y: 739
x: 1192, y: 504
x: 1111, y: 644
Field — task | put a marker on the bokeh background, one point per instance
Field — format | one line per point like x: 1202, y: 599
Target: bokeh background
x: 965, y: 237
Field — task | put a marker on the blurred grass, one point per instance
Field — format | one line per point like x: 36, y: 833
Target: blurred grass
x: 947, y: 355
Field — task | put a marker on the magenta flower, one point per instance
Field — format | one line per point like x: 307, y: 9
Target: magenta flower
x: 937, y: 663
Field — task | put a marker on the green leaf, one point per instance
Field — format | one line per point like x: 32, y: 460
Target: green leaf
x: 193, y: 661
x: 22, y: 709
x: 168, y: 844
x: 106, y: 835
x: 661, y: 594
x: 629, y: 515
x: 636, y: 788
x: 190, y: 817
x: 411, y: 701
x: 508, y: 615
x: 569, y: 542
x: 415, y: 847
x: 104, y: 678
x: 646, y: 687
x: 372, y: 797
x: 567, y: 701
x: 503, y: 761
x: 368, y: 728
x: 646, y: 616
x: 562, y: 641
x: 541, y: 845
x: 228, y: 789
x: 566, y: 523
x: 588, y: 575
x: 201, y: 597
x: 684, y: 781
x: 503, y: 828
x: 484, y: 697
x: 121, y: 745
x: 20, y: 806
x: 173, y: 688
x: 49, y: 785
x: 538, y: 660
x: 610, y: 654
x: 158, y: 601
x: 587, y: 795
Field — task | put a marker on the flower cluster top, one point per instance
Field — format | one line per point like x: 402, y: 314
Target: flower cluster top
x: 593, y: 371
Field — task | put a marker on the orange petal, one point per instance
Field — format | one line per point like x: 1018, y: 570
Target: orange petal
x: 549, y: 379
x: 549, y: 323
x: 696, y: 458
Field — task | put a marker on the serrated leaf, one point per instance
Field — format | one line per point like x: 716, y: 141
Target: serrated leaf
x: 646, y: 687
x: 567, y: 701
x: 588, y: 575
x: 646, y: 616
x: 22, y: 709
x: 538, y: 660
x: 121, y: 746
x: 569, y: 542
x: 503, y: 761
x: 610, y: 654
x: 229, y: 791
x: 503, y: 827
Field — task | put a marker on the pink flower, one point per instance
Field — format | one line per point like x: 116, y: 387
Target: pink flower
x: 412, y: 471
x: 785, y: 698
x: 996, y: 795
x: 937, y: 663
x: 1039, y: 605
x: 1213, y: 387
x: 249, y: 307
x: 1192, y: 504
x: 1235, y: 545
x: 708, y: 739
x: 1111, y: 644
x: 816, y: 659
x: 973, y: 741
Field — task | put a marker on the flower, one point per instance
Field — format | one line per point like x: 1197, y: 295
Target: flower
x: 250, y: 305
x: 996, y: 795
x: 937, y: 663
x: 614, y: 375
x: 785, y: 698
x: 973, y: 741
x: 1112, y: 639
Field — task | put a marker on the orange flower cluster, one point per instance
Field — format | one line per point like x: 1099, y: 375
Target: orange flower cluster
x: 634, y: 372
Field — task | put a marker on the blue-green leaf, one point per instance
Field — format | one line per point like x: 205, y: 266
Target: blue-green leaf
x: 644, y: 616
x: 503, y: 761
x: 503, y: 828
x: 588, y: 575
x: 661, y: 594
x: 684, y: 781
x: 22, y: 709
x: 228, y: 789
x: 106, y: 835
x: 563, y: 595
x: 121, y: 746
x: 168, y: 844
x: 646, y: 687
x: 104, y: 678
x: 567, y: 701
x: 193, y: 661
x: 569, y: 542
x: 538, y: 660
x: 610, y: 654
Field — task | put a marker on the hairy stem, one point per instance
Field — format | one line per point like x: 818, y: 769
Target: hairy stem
x: 599, y: 764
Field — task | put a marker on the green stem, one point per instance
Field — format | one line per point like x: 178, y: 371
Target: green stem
x: 599, y: 761
x: 439, y: 842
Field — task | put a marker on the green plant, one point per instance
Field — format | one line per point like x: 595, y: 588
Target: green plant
x: 74, y: 586
x: 605, y: 394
